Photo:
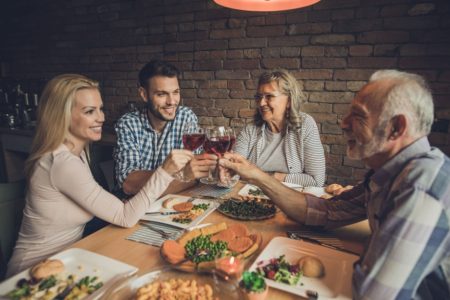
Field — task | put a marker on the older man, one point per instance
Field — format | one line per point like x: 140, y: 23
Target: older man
x: 405, y: 195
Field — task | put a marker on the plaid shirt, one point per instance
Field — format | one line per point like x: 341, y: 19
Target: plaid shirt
x: 407, y: 202
x: 140, y: 147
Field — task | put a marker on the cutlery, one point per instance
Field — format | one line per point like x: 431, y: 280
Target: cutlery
x: 314, y: 241
x: 165, y: 213
x: 164, y: 234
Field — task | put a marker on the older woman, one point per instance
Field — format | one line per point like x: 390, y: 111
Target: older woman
x: 283, y: 141
x: 62, y: 195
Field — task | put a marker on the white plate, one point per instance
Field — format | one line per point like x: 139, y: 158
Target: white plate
x: 80, y: 263
x: 245, y: 190
x: 158, y: 206
x: 336, y: 284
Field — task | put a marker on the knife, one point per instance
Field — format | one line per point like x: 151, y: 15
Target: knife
x: 165, y: 213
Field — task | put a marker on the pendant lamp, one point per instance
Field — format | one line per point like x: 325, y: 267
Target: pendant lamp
x: 265, y: 5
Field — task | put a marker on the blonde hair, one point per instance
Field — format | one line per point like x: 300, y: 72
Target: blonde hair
x: 289, y: 86
x: 54, y: 115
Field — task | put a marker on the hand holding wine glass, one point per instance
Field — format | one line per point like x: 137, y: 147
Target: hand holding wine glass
x: 193, y: 138
x: 217, y: 142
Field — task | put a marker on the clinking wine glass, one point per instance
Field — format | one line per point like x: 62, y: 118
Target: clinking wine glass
x: 193, y: 138
x: 217, y: 142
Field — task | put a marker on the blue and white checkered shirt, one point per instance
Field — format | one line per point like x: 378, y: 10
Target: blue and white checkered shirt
x: 140, y: 147
x: 407, y: 202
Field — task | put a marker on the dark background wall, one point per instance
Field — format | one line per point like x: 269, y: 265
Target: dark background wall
x: 332, y: 48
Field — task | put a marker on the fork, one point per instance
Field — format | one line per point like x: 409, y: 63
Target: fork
x: 164, y: 234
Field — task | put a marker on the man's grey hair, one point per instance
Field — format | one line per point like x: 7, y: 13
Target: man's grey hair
x: 409, y: 96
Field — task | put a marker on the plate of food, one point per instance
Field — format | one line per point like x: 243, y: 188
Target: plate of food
x: 248, y: 209
x: 220, y: 246
x: 179, y: 211
x: 252, y: 191
x: 167, y: 283
x: 304, y: 268
x: 74, y: 273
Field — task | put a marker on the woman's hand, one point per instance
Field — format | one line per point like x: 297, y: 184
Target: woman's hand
x: 238, y: 164
x: 177, y: 160
x: 199, y: 166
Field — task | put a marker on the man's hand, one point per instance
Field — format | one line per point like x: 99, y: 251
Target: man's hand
x: 177, y: 160
x: 199, y: 166
x: 238, y: 164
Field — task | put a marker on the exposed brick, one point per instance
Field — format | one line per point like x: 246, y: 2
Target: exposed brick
x: 342, y: 14
x: 235, y: 84
x: 227, y: 33
x: 296, y: 17
x: 232, y: 74
x: 247, y: 113
x: 211, y: 44
x: 314, y: 85
x: 333, y: 39
x: 289, y: 41
x: 213, y: 93
x: 357, y: 25
x: 316, y: 107
x: 313, y: 51
x: 377, y: 37
x: 232, y: 103
x: 336, y: 51
x: 248, y: 43
x: 241, y: 64
x: 372, y: 62
x: 335, y: 85
x: 241, y: 94
x: 207, y: 65
x: 265, y: 31
x: 422, y: 22
x: 361, y: 50
x: 230, y: 113
x: 394, y: 10
x: 273, y: 19
x: 353, y: 74
x: 355, y: 86
x: 386, y: 50
x: 234, y: 54
x: 423, y: 63
x: 252, y: 53
x: 323, y: 62
x: 274, y: 63
x: 331, y: 97
x: 309, y: 28
x: 290, y: 52
x: 313, y: 74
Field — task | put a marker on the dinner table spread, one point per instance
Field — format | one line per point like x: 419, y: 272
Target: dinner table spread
x: 111, y: 241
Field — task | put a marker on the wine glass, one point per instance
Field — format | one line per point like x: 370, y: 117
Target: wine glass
x: 217, y: 142
x: 193, y: 138
x: 232, y: 135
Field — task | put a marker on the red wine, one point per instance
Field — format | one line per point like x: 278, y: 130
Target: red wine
x: 217, y: 146
x: 232, y: 142
x: 193, y: 141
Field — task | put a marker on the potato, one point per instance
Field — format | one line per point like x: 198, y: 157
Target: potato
x: 46, y: 268
x: 311, y: 266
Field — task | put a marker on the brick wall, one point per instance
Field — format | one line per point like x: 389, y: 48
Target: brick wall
x: 332, y: 48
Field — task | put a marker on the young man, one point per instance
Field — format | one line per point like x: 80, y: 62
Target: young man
x: 405, y: 195
x: 145, y: 138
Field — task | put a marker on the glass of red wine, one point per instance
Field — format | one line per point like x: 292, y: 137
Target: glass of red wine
x: 193, y: 138
x: 217, y: 142
x: 232, y: 135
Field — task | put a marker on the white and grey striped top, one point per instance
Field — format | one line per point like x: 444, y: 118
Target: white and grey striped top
x: 303, y: 151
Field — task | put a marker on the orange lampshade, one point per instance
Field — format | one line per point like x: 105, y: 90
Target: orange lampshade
x: 265, y: 5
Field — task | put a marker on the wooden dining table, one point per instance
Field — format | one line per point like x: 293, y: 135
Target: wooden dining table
x: 111, y: 240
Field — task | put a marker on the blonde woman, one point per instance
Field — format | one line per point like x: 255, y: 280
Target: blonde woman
x: 62, y: 195
x: 284, y: 141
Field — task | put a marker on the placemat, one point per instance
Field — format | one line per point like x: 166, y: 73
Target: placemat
x: 210, y: 190
x: 147, y: 236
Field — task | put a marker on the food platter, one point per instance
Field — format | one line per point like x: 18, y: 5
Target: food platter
x: 338, y: 268
x: 166, y: 205
x: 79, y: 263
x: 248, y: 210
x: 221, y: 289
x: 200, y: 249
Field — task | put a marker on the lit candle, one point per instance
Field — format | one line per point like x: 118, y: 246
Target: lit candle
x: 230, y: 265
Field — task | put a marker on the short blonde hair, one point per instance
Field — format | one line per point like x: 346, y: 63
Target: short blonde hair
x: 54, y: 115
x: 289, y: 86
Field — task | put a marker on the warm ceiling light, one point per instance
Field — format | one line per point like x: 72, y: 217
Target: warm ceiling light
x: 265, y: 5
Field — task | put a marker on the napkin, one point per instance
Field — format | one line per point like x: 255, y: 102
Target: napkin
x: 322, y: 237
x: 147, y: 236
x: 210, y: 190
